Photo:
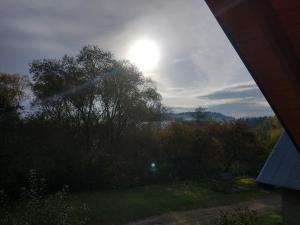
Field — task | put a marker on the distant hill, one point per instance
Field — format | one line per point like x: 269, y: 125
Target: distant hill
x: 190, y: 116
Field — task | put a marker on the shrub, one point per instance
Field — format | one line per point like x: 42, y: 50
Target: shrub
x: 36, y: 208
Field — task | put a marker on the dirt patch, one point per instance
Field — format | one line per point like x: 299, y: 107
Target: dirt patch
x: 201, y: 216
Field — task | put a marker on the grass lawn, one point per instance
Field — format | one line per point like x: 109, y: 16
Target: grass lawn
x: 123, y: 206
x: 273, y: 218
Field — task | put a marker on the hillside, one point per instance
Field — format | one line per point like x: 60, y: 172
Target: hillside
x: 190, y: 116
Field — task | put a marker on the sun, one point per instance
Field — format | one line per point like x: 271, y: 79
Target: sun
x: 144, y: 54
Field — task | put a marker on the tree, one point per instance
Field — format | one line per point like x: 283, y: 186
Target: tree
x: 95, y: 96
x: 268, y: 132
x: 12, y: 92
x: 200, y: 115
x: 241, y: 148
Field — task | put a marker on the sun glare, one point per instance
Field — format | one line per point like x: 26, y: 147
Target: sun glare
x: 144, y: 54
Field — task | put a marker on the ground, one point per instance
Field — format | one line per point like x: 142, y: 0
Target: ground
x: 202, y: 216
x: 135, y: 204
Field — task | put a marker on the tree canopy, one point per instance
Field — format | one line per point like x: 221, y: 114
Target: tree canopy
x: 95, y: 125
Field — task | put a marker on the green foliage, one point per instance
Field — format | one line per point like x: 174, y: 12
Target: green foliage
x: 271, y: 218
x: 35, y: 208
x: 269, y: 131
x: 181, y: 151
x: 210, y: 149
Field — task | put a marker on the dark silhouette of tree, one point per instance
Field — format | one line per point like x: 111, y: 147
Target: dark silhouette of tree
x: 11, y: 94
x: 90, y: 103
x: 201, y: 115
x: 91, y: 90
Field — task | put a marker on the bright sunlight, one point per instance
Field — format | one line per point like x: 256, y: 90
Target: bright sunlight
x: 144, y: 54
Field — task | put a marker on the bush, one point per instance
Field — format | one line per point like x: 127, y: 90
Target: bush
x: 35, y: 208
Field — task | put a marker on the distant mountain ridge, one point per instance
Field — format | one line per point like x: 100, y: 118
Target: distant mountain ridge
x: 191, y: 116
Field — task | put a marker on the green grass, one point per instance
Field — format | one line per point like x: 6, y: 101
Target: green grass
x: 273, y: 218
x: 122, y: 206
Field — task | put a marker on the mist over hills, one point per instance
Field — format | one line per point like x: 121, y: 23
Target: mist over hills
x: 188, y: 115
x: 191, y: 116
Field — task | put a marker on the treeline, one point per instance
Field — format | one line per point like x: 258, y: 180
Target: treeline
x: 95, y: 125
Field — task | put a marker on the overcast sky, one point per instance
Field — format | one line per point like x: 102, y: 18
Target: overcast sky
x: 197, y: 67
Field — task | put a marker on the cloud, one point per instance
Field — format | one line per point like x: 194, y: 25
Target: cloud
x: 240, y: 91
x: 196, y: 56
x: 242, y: 100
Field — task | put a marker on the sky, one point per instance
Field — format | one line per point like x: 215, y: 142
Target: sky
x: 197, y: 65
